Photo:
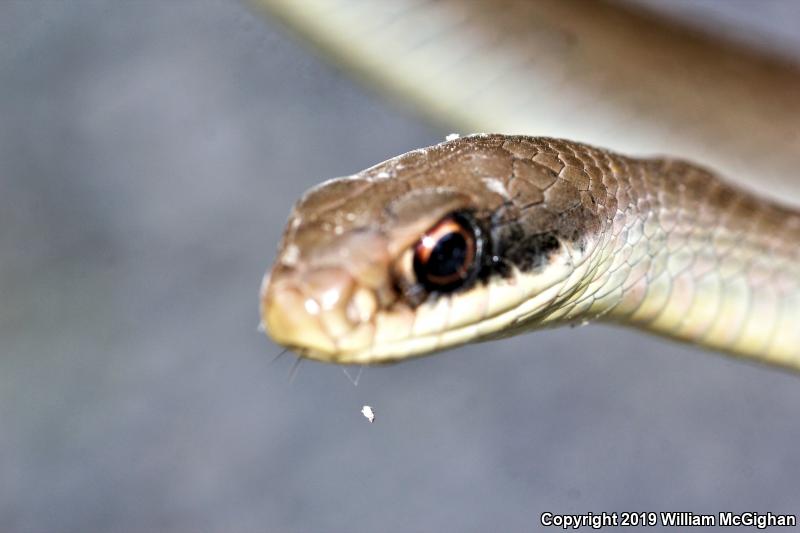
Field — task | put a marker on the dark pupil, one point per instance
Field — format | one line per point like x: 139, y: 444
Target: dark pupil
x: 447, y: 257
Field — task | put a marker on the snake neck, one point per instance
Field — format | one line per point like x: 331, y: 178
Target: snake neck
x: 690, y: 257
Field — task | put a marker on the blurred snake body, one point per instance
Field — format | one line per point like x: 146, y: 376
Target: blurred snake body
x: 487, y: 236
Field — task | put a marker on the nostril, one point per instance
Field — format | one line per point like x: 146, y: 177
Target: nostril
x: 321, y: 315
x: 329, y: 287
x: 292, y: 318
x: 322, y: 311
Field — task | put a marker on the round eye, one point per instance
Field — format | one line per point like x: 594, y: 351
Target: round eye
x: 447, y: 255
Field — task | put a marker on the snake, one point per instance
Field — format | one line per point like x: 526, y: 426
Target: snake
x: 487, y: 236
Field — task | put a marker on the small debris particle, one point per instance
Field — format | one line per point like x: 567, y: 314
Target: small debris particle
x: 291, y: 255
x: 368, y: 414
x: 497, y: 187
x: 452, y: 137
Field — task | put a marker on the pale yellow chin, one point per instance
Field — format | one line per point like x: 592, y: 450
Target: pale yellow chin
x: 482, y: 312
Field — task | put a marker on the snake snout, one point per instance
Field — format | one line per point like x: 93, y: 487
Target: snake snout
x: 319, y: 314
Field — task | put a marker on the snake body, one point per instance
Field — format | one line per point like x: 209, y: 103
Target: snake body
x: 548, y: 231
x: 571, y: 233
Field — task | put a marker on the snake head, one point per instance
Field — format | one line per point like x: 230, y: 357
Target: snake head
x: 462, y: 241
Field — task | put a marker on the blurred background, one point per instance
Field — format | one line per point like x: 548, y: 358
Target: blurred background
x: 149, y: 155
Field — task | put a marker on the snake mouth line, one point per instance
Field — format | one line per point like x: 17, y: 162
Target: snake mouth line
x: 491, y: 324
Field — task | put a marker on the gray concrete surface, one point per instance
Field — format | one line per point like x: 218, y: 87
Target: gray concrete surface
x: 149, y: 154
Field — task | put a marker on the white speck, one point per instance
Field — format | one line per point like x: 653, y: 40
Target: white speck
x: 350, y: 217
x: 329, y: 298
x: 496, y: 186
x: 312, y: 307
x: 452, y: 137
x: 368, y: 414
x: 290, y: 256
x: 338, y: 230
x: 382, y: 175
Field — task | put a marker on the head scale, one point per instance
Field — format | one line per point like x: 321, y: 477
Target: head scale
x: 462, y: 241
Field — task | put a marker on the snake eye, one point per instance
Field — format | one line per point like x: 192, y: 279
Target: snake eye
x: 447, y: 255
